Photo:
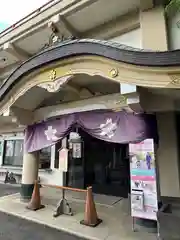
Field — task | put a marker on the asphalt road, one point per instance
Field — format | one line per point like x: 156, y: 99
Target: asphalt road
x: 7, y: 189
x: 13, y: 228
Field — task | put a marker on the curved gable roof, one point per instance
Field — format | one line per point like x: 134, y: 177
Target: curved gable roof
x: 78, y: 47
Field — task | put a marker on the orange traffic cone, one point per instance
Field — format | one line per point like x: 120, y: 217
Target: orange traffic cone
x: 90, y: 219
x: 35, y: 203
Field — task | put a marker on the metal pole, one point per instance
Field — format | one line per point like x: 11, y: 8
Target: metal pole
x: 133, y: 225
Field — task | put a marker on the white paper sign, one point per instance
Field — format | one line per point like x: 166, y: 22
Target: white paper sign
x: 137, y: 200
x: 76, y: 150
x: 63, y: 160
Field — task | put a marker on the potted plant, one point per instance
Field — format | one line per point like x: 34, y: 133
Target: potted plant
x: 172, y: 6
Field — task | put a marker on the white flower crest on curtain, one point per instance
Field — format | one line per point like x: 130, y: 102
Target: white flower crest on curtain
x: 108, y: 129
x: 51, y: 134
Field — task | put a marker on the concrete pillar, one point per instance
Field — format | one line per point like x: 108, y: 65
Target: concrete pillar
x: 153, y: 29
x: 29, y: 174
x: 167, y: 155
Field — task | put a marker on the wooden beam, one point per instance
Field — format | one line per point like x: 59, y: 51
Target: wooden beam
x: 68, y: 28
x: 23, y: 116
x: 11, y: 128
x: 81, y: 92
x: 110, y: 101
x: 17, y: 52
x: 85, y: 93
x: 8, y: 119
x: 73, y: 88
x: 6, y: 71
x: 60, y: 27
x: 133, y: 101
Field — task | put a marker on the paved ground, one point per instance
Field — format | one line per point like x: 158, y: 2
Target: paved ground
x: 13, y: 228
x: 15, y: 225
x: 6, y: 189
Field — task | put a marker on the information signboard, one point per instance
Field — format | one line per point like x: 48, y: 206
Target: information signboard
x: 143, y: 180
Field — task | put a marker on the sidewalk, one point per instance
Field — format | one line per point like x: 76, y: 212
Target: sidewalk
x: 116, y: 217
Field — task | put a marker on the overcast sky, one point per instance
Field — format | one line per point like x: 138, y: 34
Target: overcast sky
x: 13, y: 10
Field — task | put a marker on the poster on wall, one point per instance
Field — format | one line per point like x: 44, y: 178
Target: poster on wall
x: 76, y: 150
x: 63, y: 159
x: 144, y: 202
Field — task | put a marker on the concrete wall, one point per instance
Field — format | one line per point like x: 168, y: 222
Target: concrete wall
x: 154, y: 36
x: 131, y: 38
x: 153, y: 29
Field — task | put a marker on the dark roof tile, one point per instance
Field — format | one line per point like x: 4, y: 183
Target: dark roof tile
x: 107, y: 49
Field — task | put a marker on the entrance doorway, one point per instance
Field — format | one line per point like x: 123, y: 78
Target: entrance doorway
x: 104, y: 166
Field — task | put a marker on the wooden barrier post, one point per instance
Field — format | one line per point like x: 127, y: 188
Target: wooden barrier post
x: 90, y: 217
x: 63, y: 206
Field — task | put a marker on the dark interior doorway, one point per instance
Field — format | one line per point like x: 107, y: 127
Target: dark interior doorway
x: 104, y: 166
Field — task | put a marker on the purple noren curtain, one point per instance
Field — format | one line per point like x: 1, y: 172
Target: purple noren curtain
x: 109, y: 126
